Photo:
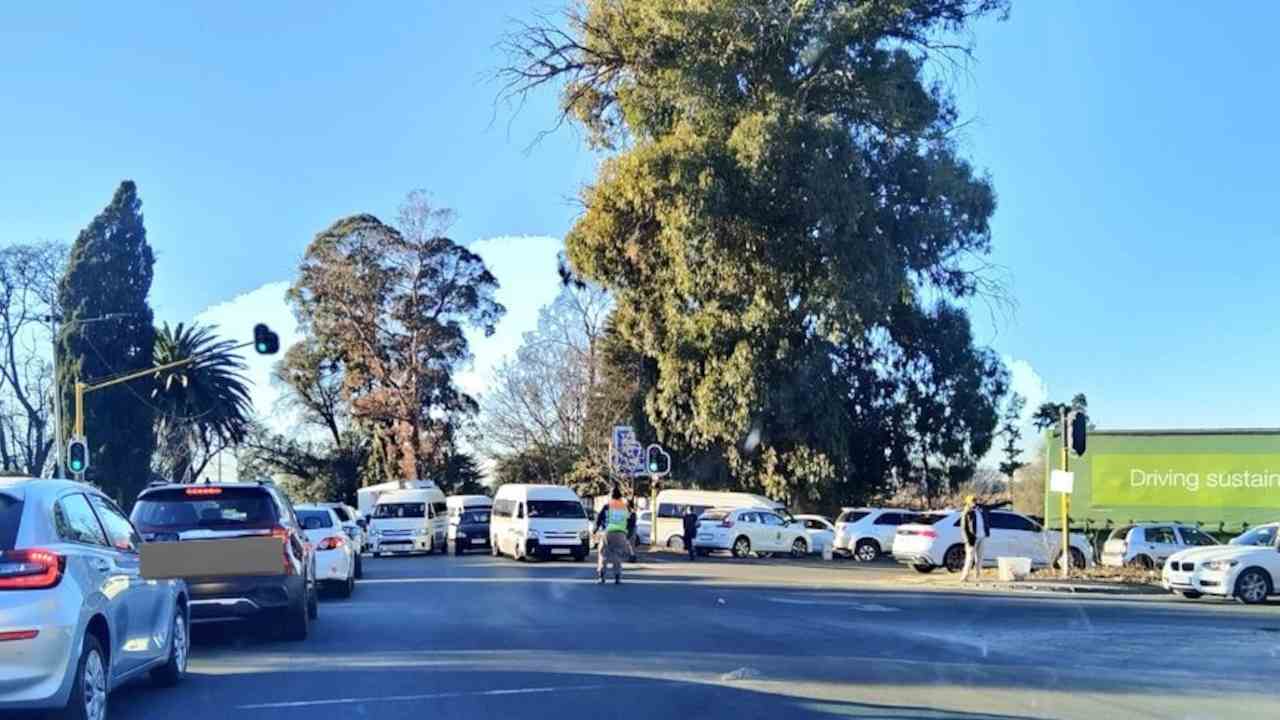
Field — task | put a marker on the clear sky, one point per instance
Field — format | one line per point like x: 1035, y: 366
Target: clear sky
x: 1132, y: 146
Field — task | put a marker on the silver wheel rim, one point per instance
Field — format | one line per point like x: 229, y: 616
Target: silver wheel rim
x: 798, y: 548
x: 741, y: 548
x: 95, y: 687
x: 180, y: 644
x: 1252, y: 587
x: 866, y: 553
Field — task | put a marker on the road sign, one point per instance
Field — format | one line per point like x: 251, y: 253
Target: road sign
x: 626, y: 454
x: 1061, y: 481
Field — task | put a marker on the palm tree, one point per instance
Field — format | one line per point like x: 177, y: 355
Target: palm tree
x: 202, y: 407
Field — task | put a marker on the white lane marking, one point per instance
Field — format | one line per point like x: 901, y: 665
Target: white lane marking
x: 860, y: 607
x: 424, y: 696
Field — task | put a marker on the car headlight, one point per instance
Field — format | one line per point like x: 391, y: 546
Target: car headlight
x: 422, y: 531
x: 584, y: 535
x: 460, y: 534
x: 1220, y: 565
x: 532, y: 534
x: 376, y: 532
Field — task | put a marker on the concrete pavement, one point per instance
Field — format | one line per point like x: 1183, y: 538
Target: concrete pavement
x: 474, y: 637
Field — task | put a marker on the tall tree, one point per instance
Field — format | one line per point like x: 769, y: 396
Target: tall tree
x: 28, y: 303
x: 1049, y: 414
x: 392, y: 306
x: 784, y: 187
x: 1011, y: 431
x: 109, y: 274
x: 202, y: 407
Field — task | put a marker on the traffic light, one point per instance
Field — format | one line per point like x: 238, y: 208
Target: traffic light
x: 265, y: 341
x: 78, y: 455
x: 656, y: 461
x: 1079, y: 427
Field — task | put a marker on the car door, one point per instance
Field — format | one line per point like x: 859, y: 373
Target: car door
x: 884, y: 527
x: 1160, y: 542
x: 821, y: 534
x: 1003, y: 540
x: 753, y: 529
x: 774, y: 533
x: 1028, y: 539
x: 108, y: 585
x: 148, y: 600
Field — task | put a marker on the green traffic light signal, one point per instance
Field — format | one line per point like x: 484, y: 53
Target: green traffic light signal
x: 77, y: 455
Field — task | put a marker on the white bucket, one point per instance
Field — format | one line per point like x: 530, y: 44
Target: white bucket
x: 1013, y: 568
x: 826, y: 553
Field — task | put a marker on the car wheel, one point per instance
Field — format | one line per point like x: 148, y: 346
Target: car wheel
x: 172, y: 671
x: 1077, y: 560
x: 1143, y: 561
x: 1253, y: 586
x: 359, y: 568
x: 675, y: 542
x: 923, y: 569
x: 348, y: 587
x: 377, y: 554
x: 313, y: 602
x: 799, y: 548
x: 954, y: 559
x: 1192, y: 594
x: 297, y: 621
x: 88, y: 699
x: 741, y: 547
x: 866, y: 551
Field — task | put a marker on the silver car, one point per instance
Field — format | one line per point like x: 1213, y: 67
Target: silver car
x: 77, y: 619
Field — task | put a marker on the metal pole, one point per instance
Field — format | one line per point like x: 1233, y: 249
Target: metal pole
x: 79, y: 429
x: 1066, y: 554
x: 60, y: 436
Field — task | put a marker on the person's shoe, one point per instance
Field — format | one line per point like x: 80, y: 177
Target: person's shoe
x: 601, y: 578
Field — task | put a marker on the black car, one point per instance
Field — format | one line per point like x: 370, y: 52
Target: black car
x: 469, y: 528
x: 210, y: 513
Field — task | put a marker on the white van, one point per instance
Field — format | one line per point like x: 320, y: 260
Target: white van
x: 539, y: 521
x: 409, y: 521
x: 367, y: 497
x: 668, y: 524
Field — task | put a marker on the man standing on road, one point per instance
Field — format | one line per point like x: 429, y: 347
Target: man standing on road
x: 613, y: 521
x: 974, y: 527
x: 690, y: 530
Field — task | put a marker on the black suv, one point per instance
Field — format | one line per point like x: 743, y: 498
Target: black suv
x: 208, y: 513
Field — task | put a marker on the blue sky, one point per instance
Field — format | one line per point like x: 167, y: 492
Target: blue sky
x: 1131, y: 145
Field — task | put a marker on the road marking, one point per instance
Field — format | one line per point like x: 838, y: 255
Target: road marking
x: 860, y: 607
x: 424, y: 696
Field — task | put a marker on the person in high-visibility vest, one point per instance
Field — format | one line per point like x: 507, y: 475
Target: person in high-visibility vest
x: 613, y: 520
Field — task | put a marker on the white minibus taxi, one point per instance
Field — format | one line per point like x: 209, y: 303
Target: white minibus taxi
x: 413, y: 520
x: 540, y: 521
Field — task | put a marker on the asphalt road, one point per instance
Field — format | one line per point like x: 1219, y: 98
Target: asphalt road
x: 478, y: 637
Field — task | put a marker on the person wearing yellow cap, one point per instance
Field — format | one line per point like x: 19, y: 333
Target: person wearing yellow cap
x: 975, y: 529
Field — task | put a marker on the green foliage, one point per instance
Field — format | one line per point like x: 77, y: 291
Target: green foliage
x: 1049, y: 414
x: 1012, y: 432
x: 109, y: 273
x: 784, y: 198
x: 202, y: 407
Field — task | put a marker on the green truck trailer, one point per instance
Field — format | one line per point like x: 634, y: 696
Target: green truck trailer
x: 1224, y: 480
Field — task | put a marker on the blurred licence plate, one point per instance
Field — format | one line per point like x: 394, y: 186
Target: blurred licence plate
x: 704, y: 536
x: 482, y: 541
x: 560, y: 551
x: 1179, y: 578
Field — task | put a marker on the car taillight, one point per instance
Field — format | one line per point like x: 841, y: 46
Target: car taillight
x: 204, y: 490
x: 18, y: 635
x: 31, y: 569
x: 928, y: 533
x: 331, y: 543
x: 283, y: 534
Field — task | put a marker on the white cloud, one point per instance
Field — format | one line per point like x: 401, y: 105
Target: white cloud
x: 1025, y: 381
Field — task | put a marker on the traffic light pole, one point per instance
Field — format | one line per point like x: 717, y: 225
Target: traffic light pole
x: 83, y: 388
x: 1066, y: 454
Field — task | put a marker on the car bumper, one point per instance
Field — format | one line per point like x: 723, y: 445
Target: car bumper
x: 547, y: 549
x: 1203, y: 582
x: 37, y: 672
x: 712, y: 541
x: 333, y: 565
x: 408, y: 544
x: 226, y: 599
x: 914, y: 558
x: 471, y: 541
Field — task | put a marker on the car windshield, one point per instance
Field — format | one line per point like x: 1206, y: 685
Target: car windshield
x: 400, y: 510
x: 474, y: 517
x: 10, y: 515
x: 314, y: 519
x: 1261, y: 536
x: 852, y: 516
x: 558, y: 509
x: 205, y: 507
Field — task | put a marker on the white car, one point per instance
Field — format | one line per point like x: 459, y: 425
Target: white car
x: 1261, y: 535
x: 866, y: 533
x: 354, y: 525
x: 1148, y: 545
x: 644, y: 526
x: 743, y: 531
x: 819, y: 530
x: 1248, y: 573
x: 335, y: 553
x: 935, y: 540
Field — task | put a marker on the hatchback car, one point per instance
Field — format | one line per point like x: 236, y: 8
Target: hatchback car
x: 1248, y: 572
x: 743, y: 531
x: 219, y: 513
x: 77, y: 619
x: 1149, y: 545
x: 866, y: 533
x: 819, y: 530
